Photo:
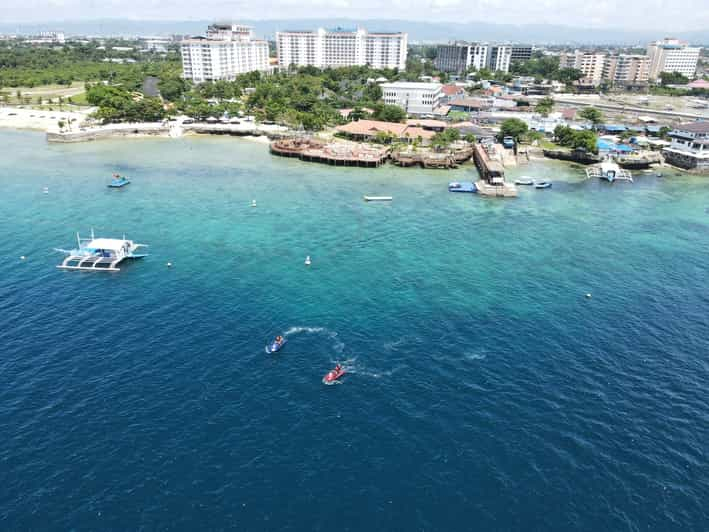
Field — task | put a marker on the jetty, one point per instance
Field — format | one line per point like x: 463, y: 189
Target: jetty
x: 333, y: 153
x: 492, y: 182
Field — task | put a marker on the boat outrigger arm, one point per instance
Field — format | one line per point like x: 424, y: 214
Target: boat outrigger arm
x: 100, y: 254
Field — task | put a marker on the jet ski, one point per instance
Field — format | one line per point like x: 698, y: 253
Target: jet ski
x: 276, y: 345
x: 334, y: 374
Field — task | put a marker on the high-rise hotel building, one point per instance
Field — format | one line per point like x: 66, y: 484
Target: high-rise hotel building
x: 340, y: 48
x: 672, y: 55
x: 227, y: 51
x: 460, y: 56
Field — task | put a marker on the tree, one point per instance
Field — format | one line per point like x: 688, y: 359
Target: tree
x: 591, y: 114
x: 570, y: 138
x: 513, y: 127
x: 389, y: 113
x: 544, y: 106
x: 673, y: 78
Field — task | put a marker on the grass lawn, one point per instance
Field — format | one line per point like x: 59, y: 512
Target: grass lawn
x: 30, y: 95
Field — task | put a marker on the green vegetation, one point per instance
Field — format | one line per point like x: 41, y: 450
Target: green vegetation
x: 545, y: 67
x: 544, y: 106
x: 591, y: 114
x: 444, y: 138
x: 116, y: 104
x: 570, y: 138
x: 673, y: 78
x: 512, y: 127
x: 29, y: 66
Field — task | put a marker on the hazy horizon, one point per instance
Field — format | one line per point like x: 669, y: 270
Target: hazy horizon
x: 632, y: 15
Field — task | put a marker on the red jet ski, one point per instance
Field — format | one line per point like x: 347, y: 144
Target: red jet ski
x: 333, y: 375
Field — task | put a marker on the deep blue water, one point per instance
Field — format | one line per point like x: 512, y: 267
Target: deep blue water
x: 485, y: 392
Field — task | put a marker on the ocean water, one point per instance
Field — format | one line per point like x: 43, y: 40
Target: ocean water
x: 484, y: 390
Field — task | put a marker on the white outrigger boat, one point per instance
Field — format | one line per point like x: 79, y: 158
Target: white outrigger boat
x: 609, y: 171
x: 100, y: 254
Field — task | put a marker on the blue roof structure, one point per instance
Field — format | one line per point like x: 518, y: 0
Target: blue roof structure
x: 614, y: 128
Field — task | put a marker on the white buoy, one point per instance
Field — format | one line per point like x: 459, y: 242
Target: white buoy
x: 169, y: 264
x: 307, y: 260
x: 23, y: 257
x: 253, y: 203
x: 588, y: 296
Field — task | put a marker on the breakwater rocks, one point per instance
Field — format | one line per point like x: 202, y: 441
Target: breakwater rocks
x: 109, y: 131
x: 577, y: 156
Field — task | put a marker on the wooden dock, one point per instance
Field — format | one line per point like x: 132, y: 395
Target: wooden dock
x: 335, y: 153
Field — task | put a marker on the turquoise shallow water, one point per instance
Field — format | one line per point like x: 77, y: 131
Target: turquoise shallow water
x: 485, y: 391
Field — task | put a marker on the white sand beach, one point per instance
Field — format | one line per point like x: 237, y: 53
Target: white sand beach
x: 19, y: 118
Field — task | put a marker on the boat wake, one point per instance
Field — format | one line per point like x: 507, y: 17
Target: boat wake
x: 475, y: 356
x: 337, y: 344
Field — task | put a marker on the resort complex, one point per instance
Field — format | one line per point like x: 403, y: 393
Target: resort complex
x: 339, y: 47
x: 227, y: 51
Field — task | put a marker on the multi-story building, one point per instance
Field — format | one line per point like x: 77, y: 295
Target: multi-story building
x: 340, y: 48
x: 227, y: 51
x: 589, y: 63
x: 499, y: 58
x: 48, y: 37
x: 672, y: 55
x: 690, y: 146
x: 461, y: 56
x: 415, y: 98
x: 626, y: 69
x: 521, y: 53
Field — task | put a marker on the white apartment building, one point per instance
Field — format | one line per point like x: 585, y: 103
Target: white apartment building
x: 415, y: 98
x: 461, y: 56
x: 325, y: 48
x: 48, y: 37
x: 672, y: 55
x: 227, y: 51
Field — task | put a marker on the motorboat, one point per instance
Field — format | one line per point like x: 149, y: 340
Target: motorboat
x: 118, y: 181
x: 378, y: 198
x: 542, y: 184
x: 527, y: 181
x: 334, y: 374
x: 276, y: 345
x: 464, y: 186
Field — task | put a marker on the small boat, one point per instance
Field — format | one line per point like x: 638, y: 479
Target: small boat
x: 118, y: 181
x: 525, y: 181
x: 276, y: 345
x: 464, y: 186
x: 542, y: 184
x: 334, y: 374
x: 378, y: 198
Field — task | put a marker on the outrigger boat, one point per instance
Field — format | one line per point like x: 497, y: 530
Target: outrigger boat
x: 118, y: 181
x: 609, y: 171
x: 100, y: 254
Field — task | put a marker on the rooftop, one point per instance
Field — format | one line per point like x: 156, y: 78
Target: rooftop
x: 700, y: 127
x: 413, y: 85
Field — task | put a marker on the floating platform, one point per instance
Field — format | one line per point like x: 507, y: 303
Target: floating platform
x: 462, y: 186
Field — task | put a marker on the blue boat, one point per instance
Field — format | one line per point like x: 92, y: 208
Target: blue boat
x: 463, y: 186
x: 118, y: 181
x: 276, y: 345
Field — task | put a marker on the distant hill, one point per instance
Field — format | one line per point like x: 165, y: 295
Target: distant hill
x: 418, y: 31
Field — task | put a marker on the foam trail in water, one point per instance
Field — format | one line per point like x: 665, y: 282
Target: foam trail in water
x: 338, y: 345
